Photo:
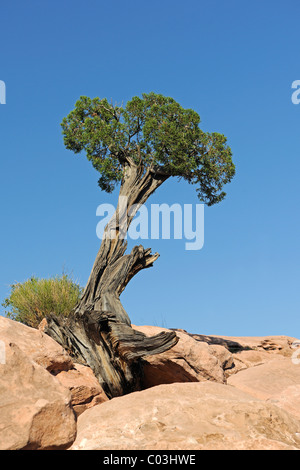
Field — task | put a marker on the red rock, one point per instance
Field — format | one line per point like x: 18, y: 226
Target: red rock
x: 288, y: 399
x: 84, y: 387
x: 188, y: 361
x: 35, y: 410
x: 265, y: 380
x: 280, y: 344
x: 43, y: 350
x: 36, y: 345
x: 187, y: 416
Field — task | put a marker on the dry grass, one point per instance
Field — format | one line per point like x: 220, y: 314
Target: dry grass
x: 30, y: 301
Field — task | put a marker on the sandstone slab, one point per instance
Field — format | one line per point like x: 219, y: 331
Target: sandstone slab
x: 289, y: 400
x: 187, y: 416
x: 188, y: 361
x: 35, y: 410
x: 36, y: 345
x: 268, y: 379
x: 277, y: 381
x: 84, y: 387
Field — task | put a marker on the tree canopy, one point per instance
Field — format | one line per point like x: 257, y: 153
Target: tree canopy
x: 154, y: 132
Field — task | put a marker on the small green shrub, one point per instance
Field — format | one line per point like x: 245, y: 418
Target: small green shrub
x: 29, y: 302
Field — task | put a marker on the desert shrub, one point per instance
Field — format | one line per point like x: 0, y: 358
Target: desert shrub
x: 29, y: 302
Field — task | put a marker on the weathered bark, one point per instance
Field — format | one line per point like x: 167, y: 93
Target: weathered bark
x: 99, y: 332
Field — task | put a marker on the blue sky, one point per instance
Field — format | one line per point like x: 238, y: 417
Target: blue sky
x: 234, y: 63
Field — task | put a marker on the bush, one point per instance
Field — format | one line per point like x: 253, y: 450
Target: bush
x: 32, y: 300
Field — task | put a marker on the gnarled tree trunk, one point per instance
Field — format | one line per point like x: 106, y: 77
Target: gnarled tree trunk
x: 99, y: 332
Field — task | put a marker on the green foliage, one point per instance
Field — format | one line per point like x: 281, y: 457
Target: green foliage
x: 29, y: 302
x: 154, y: 131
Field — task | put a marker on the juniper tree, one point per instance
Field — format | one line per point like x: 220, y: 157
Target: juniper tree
x: 136, y: 147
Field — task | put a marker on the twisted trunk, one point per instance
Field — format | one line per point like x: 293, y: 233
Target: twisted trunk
x: 99, y: 331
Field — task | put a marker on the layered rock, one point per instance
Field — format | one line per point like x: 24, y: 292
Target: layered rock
x: 36, y: 410
x: 50, y: 372
x: 85, y: 389
x: 36, y: 345
x: 208, y: 392
x: 188, y: 361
